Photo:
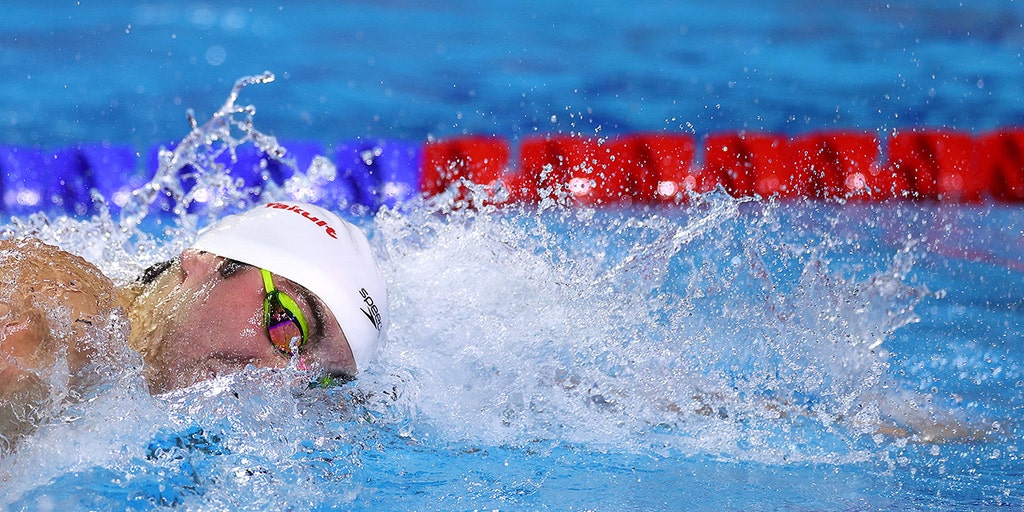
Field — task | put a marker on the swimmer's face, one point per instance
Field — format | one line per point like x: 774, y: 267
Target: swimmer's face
x: 213, y: 324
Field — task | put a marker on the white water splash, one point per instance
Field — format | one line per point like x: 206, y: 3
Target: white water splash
x: 714, y: 330
x: 145, y: 233
x: 637, y: 331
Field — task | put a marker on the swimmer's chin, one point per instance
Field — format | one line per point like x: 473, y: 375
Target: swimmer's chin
x: 201, y: 386
x: 170, y: 378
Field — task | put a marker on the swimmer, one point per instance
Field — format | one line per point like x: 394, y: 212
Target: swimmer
x: 283, y: 281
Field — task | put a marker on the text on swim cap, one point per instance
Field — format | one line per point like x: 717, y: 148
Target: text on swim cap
x: 371, y: 312
x: 316, y: 220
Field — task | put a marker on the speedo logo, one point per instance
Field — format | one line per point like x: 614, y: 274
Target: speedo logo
x: 371, y: 311
x: 315, y: 220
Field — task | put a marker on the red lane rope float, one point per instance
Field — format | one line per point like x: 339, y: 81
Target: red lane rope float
x: 639, y: 168
x: 748, y: 164
x: 565, y: 164
x: 835, y: 164
x: 473, y: 159
x: 930, y: 164
x: 937, y: 164
x: 1001, y: 159
x: 658, y: 166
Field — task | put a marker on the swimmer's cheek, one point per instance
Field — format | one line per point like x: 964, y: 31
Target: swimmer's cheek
x: 218, y: 365
x: 227, y: 364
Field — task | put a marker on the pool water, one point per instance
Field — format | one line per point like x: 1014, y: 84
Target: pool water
x: 126, y: 72
x: 726, y: 354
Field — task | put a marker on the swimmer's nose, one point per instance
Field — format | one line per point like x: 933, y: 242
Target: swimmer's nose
x: 247, y: 348
x: 262, y: 355
x: 227, y: 363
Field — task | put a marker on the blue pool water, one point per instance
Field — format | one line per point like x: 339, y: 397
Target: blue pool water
x: 90, y: 71
x: 723, y: 355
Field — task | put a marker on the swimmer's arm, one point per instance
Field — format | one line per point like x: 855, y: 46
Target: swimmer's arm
x: 914, y: 416
x: 22, y: 394
x: 23, y: 340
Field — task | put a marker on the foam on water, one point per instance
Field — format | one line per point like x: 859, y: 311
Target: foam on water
x: 741, y: 331
x: 697, y: 330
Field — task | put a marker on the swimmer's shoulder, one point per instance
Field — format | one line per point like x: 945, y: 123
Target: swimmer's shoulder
x: 48, y: 298
x: 30, y: 267
x: 53, y: 303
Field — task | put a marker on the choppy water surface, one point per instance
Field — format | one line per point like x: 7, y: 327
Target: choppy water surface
x: 723, y: 354
x: 547, y: 359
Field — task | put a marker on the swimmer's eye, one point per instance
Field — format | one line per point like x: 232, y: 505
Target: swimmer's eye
x: 283, y: 318
x: 230, y: 267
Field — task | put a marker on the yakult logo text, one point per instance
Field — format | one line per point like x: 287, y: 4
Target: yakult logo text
x: 316, y: 220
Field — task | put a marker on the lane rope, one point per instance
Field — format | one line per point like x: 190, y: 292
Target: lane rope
x: 929, y: 164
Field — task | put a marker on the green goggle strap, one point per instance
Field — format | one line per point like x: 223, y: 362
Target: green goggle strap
x: 286, y: 301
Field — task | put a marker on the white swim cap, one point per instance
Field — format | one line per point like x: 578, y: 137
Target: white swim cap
x: 318, y: 250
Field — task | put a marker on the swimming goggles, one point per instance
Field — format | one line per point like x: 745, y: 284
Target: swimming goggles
x: 283, y: 317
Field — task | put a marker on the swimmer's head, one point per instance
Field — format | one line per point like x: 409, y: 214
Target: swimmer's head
x: 318, y: 251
